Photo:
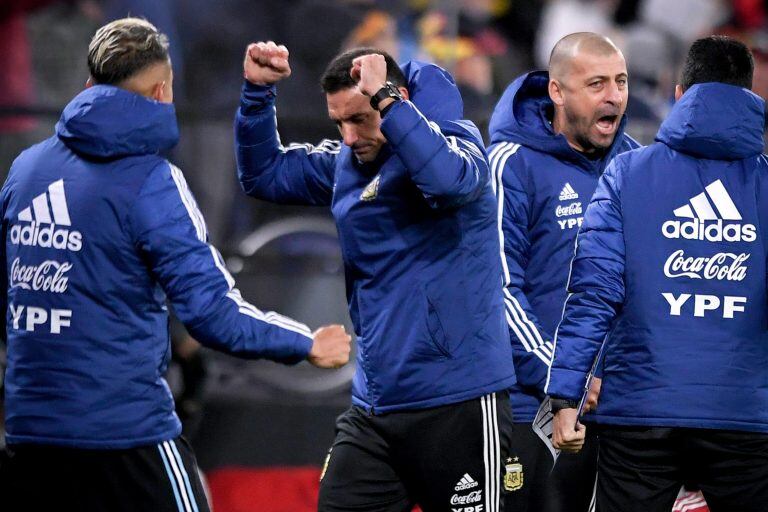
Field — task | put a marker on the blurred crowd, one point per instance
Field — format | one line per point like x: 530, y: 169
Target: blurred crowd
x: 484, y: 43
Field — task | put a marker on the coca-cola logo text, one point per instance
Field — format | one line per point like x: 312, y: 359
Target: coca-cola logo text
x: 46, y: 277
x: 571, y: 209
x: 472, y: 497
x: 722, y: 266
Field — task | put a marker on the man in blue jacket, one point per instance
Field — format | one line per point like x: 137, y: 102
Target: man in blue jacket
x: 670, y: 274
x: 98, y: 231
x: 552, y: 135
x: 411, y: 194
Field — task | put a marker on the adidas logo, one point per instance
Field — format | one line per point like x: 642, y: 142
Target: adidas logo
x: 707, y: 212
x: 466, y: 482
x: 568, y: 194
x: 46, y: 215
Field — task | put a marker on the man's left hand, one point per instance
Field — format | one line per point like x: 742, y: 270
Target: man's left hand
x: 593, y: 395
x: 370, y: 73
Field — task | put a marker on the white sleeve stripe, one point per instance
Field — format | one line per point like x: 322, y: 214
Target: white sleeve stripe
x: 514, y: 325
x: 524, y: 317
x: 270, y: 317
x: 220, y: 265
x: 189, y: 203
x: 234, y: 294
x: 531, y: 342
x: 497, y: 170
x: 545, y: 358
x: 453, y: 141
x: 326, y: 146
x: 303, y: 332
x: 544, y: 350
x: 497, y: 149
x: 525, y: 330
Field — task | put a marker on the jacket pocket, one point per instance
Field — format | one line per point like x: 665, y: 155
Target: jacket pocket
x: 436, y: 330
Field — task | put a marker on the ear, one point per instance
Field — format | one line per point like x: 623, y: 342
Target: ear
x: 89, y: 82
x: 158, y: 91
x: 555, y: 92
x: 678, y: 92
x: 404, y: 92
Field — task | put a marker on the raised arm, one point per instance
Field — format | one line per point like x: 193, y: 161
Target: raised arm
x: 296, y: 174
x: 449, y: 168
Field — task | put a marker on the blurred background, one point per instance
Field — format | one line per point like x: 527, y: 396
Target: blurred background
x: 261, y: 430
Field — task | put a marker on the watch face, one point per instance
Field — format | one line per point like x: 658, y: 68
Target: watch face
x: 394, y: 92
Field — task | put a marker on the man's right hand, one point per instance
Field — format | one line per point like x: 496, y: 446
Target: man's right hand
x: 266, y: 63
x: 567, y: 433
x: 330, y: 347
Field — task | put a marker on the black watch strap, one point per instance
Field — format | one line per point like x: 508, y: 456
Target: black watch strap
x: 563, y: 403
x: 388, y: 90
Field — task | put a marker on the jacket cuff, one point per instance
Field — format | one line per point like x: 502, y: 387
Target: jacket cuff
x: 401, y: 118
x: 565, y: 383
x: 300, y: 350
x: 253, y: 97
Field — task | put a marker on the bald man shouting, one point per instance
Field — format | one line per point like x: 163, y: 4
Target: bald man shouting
x: 552, y: 135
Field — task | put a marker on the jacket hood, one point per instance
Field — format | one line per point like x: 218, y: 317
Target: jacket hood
x: 433, y: 91
x: 523, y: 115
x: 716, y: 121
x: 108, y: 122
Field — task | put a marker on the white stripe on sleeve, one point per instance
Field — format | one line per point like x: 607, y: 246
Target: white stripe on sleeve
x: 233, y: 294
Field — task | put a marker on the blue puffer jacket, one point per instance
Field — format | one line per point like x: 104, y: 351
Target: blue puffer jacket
x: 97, y: 229
x: 543, y: 187
x: 671, y: 265
x: 418, y: 236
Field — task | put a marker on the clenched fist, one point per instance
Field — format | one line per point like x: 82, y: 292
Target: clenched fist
x: 567, y: 433
x: 266, y: 63
x: 370, y: 73
x: 330, y: 347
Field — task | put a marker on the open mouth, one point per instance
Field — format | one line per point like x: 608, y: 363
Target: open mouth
x: 607, y: 124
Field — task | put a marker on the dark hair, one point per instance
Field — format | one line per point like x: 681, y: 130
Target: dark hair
x: 336, y: 76
x: 718, y: 59
x: 124, y: 47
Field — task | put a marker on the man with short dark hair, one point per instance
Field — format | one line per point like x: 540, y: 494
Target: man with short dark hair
x: 552, y: 135
x: 411, y: 195
x: 98, y: 230
x: 670, y: 275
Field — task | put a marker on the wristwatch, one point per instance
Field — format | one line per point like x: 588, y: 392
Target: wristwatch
x: 388, y: 90
x: 563, y: 403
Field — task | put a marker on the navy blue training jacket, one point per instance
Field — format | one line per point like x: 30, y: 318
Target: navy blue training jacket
x: 671, y: 265
x: 418, y: 236
x: 98, y: 230
x: 543, y: 186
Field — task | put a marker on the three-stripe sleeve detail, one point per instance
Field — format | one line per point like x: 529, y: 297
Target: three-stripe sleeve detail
x: 233, y: 294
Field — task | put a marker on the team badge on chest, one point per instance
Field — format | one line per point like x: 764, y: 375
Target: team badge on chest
x: 371, y: 190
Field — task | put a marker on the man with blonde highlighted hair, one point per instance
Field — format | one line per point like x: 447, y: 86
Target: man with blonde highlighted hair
x: 98, y: 231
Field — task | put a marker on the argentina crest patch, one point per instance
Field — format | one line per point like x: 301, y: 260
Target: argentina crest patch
x: 371, y: 190
x: 513, y: 477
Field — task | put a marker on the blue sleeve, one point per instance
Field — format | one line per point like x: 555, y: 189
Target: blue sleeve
x: 449, y: 170
x: 170, y: 233
x: 297, y: 174
x: 531, y: 344
x: 596, y: 290
x: 3, y: 282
